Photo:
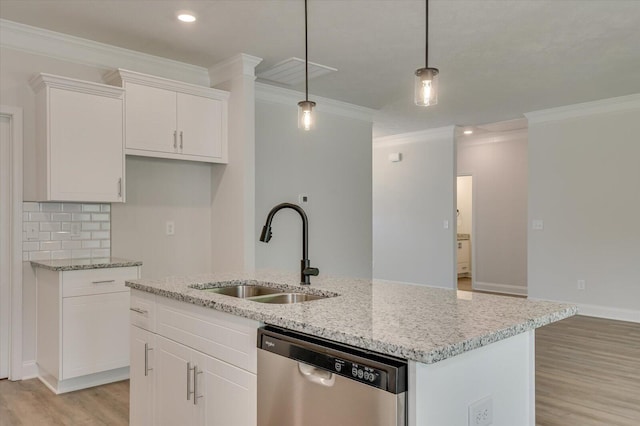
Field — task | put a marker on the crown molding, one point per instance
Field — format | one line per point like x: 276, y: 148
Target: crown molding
x: 421, y: 136
x: 604, y: 106
x: 88, y: 52
x: 42, y: 80
x: 493, y: 137
x: 278, y: 95
x: 240, y: 64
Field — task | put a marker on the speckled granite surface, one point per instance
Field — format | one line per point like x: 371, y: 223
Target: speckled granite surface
x: 414, y: 322
x: 77, y: 264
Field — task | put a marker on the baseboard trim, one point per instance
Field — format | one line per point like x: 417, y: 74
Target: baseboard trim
x: 607, y: 312
x: 29, y: 370
x: 82, y: 382
x: 500, y: 288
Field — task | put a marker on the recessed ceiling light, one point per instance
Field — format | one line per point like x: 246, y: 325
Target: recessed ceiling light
x: 185, y: 16
x: 468, y: 132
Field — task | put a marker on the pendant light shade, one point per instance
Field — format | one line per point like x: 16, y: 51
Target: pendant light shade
x: 426, y: 80
x: 305, y: 108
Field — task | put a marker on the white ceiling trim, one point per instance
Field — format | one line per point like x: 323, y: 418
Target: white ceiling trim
x: 240, y: 64
x: 88, y: 52
x: 510, y: 136
x: 603, y: 106
x: 274, y: 94
x: 422, y: 136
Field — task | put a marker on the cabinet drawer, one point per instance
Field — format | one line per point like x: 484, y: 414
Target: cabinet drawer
x: 142, y: 311
x: 463, y: 268
x: 96, y: 281
x: 224, y: 336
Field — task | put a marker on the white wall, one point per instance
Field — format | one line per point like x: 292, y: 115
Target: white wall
x: 332, y: 165
x: 499, y: 168
x: 158, y: 191
x: 411, y: 201
x: 584, y: 184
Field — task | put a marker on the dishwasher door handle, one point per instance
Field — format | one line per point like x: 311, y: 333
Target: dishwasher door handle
x: 316, y: 375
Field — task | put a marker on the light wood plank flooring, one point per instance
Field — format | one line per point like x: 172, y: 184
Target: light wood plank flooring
x: 587, y: 374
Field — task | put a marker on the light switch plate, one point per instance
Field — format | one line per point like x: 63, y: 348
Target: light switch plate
x: 537, y: 225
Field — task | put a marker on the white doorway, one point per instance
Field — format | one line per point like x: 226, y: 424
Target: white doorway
x: 464, y: 225
x: 10, y: 242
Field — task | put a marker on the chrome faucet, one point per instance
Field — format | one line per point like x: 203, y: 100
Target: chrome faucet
x: 305, y: 269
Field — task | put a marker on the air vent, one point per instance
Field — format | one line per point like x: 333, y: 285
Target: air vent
x: 291, y: 71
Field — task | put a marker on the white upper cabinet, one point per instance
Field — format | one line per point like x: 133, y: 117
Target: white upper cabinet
x: 170, y: 119
x: 79, y: 140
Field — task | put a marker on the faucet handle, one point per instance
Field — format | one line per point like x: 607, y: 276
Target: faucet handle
x: 311, y: 271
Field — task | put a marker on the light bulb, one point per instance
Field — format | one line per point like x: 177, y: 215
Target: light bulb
x: 426, y: 87
x: 305, y: 115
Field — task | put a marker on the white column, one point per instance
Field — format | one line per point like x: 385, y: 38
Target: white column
x: 233, y: 205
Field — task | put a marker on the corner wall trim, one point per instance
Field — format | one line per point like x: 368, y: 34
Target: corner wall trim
x: 52, y: 44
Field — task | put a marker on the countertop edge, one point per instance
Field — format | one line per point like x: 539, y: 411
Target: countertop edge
x: 79, y: 267
x: 426, y: 357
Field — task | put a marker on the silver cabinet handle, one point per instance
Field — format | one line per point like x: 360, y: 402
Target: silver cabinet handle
x: 139, y: 310
x: 120, y: 188
x: 175, y: 138
x: 103, y: 282
x: 195, y: 385
x: 181, y: 139
x: 189, y: 393
x: 146, y: 359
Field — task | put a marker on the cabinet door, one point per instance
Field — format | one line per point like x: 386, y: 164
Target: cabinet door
x: 142, y: 374
x: 150, y: 119
x: 200, y: 125
x: 173, y: 384
x: 95, y: 333
x: 86, y: 157
x: 227, y: 394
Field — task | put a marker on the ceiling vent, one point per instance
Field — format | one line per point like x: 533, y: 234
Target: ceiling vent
x: 291, y: 71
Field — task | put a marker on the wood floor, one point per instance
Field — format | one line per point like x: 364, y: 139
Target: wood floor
x: 587, y: 374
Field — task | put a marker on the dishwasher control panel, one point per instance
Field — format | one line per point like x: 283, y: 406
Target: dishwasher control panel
x: 359, y: 372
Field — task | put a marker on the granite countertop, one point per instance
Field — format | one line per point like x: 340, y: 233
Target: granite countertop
x: 415, y: 322
x: 78, y: 264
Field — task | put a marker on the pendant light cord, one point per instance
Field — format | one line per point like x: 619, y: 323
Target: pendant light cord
x: 306, y: 55
x: 426, y: 32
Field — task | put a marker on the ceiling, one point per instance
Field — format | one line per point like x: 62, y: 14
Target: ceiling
x: 497, y: 58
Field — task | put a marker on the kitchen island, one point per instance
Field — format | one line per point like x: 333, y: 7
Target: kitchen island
x: 462, y: 347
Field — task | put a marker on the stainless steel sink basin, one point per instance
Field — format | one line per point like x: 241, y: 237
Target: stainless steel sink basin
x: 287, y: 298
x: 244, y: 291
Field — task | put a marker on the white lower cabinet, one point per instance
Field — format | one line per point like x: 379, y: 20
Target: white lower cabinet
x: 173, y: 383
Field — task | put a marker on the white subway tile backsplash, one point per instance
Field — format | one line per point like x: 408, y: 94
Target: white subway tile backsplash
x: 39, y: 217
x: 50, y: 245
x: 91, y: 244
x: 99, y: 217
x: 91, y: 207
x: 71, y: 207
x: 30, y: 207
x: 90, y: 226
x: 100, y: 235
x: 50, y: 207
x: 61, y: 217
x: 61, y: 254
x: 80, y: 217
x: 55, y: 223
x: 71, y: 245
x: 50, y: 226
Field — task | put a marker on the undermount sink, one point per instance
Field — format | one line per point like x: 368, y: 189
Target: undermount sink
x: 287, y: 298
x: 244, y: 291
x: 263, y: 294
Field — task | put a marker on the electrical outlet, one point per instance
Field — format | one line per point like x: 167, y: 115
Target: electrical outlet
x: 537, y: 225
x: 171, y: 227
x: 481, y: 412
x: 582, y: 285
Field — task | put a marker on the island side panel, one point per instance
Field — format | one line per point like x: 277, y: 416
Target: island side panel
x: 441, y: 393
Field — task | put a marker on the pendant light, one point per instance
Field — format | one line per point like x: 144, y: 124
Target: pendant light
x: 426, y: 82
x: 305, y: 108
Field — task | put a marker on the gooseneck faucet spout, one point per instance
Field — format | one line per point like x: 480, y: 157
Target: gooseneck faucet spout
x: 305, y: 269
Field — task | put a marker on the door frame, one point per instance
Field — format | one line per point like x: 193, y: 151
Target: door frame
x: 473, y: 225
x: 11, y: 206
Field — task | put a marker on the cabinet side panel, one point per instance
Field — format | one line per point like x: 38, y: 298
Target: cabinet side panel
x: 48, y: 322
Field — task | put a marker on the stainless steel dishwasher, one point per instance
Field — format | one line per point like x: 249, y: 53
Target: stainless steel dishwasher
x: 308, y: 381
